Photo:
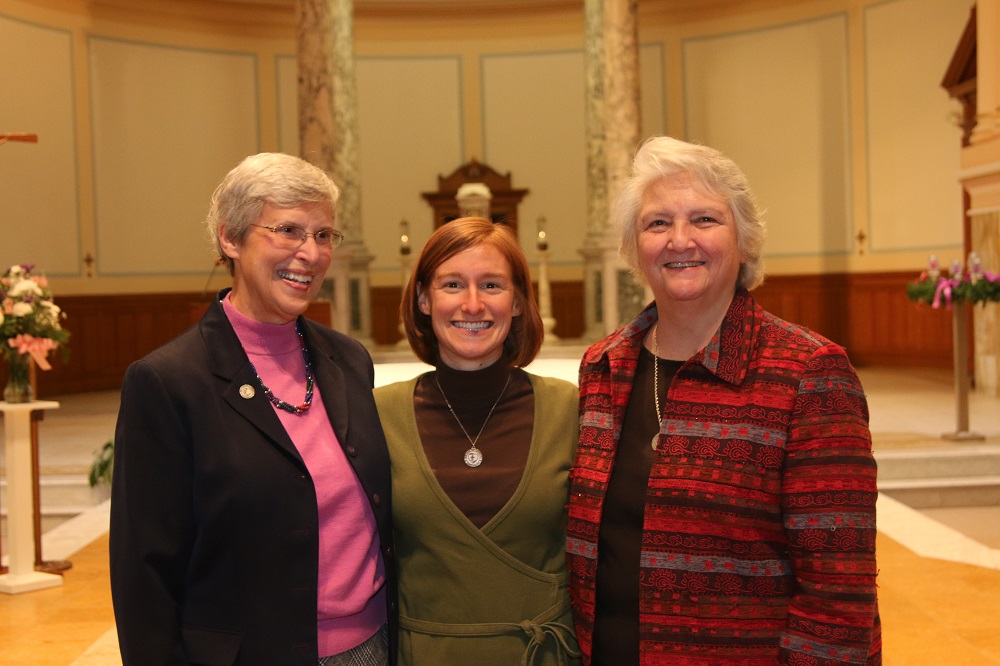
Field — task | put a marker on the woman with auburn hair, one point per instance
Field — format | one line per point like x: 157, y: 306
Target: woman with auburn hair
x: 480, y: 453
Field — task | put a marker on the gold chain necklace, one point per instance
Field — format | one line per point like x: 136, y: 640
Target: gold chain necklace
x: 656, y: 387
x: 473, y: 457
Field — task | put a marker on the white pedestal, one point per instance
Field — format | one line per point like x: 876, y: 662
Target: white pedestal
x: 21, y: 575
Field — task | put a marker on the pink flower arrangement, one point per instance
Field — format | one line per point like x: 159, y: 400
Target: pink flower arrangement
x: 30, y: 322
x: 976, y: 286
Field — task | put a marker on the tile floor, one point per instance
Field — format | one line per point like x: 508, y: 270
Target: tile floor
x: 939, y: 568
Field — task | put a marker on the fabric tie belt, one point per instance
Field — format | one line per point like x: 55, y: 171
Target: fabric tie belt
x: 538, y: 631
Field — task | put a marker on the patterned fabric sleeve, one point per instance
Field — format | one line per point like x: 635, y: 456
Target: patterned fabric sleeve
x: 828, y: 501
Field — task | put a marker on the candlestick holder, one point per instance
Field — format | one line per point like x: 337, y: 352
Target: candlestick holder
x: 545, y: 286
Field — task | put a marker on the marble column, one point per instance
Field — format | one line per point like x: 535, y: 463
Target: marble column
x: 612, y: 126
x: 980, y: 176
x: 986, y: 318
x: 328, y: 131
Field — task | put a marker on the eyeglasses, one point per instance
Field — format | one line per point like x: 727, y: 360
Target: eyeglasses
x: 290, y: 236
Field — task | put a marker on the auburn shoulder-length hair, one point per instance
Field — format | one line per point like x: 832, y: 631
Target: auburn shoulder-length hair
x: 525, y: 336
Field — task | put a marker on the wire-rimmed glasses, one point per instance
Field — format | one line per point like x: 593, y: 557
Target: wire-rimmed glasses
x: 291, y: 236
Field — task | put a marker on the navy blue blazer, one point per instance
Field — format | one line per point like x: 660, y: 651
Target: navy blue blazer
x: 214, y: 543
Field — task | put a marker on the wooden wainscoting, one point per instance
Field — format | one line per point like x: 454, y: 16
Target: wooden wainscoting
x: 567, y: 309
x: 385, y: 315
x: 867, y: 313
x: 108, y: 332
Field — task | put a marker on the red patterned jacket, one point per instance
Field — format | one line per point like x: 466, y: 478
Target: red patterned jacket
x: 758, y: 542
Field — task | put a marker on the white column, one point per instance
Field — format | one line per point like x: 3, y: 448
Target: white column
x: 21, y: 575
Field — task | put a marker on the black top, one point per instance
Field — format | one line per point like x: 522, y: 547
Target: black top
x: 616, y: 619
x: 482, y: 491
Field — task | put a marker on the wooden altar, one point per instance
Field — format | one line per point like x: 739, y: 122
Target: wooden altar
x: 503, y: 205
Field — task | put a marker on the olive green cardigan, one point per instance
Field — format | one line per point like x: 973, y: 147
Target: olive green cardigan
x: 493, y: 596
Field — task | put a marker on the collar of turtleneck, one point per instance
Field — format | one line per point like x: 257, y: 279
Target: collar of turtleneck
x: 258, y: 337
x: 471, y: 389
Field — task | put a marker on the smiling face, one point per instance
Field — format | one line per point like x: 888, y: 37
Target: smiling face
x: 471, y: 303
x: 273, y: 283
x: 688, y: 249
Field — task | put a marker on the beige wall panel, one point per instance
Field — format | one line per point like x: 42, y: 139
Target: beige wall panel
x: 287, y: 92
x: 533, y: 120
x: 168, y: 124
x: 913, y: 139
x: 652, y: 102
x: 535, y: 128
x: 409, y: 133
x: 38, y: 188
x: 775, y: 100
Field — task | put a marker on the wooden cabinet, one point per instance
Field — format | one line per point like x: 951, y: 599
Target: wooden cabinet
x: 503, y: 205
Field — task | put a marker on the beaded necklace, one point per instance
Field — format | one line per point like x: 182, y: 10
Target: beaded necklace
x: 310, y: 380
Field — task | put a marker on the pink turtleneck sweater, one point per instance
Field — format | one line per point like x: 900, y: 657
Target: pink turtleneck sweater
x: 351, y: 603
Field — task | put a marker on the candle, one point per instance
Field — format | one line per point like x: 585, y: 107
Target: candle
x: 404, y: 237
x: 975, y: 267
x: 543, y: 243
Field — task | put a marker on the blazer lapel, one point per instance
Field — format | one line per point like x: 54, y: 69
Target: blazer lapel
x: 231, y: 364
x: 330, y: 379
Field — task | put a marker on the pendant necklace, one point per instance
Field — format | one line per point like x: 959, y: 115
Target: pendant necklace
x: 473, y: 457
x: 310, y: 380
x: 656, y: 388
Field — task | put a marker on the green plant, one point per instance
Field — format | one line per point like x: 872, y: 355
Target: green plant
x: 104, y: 463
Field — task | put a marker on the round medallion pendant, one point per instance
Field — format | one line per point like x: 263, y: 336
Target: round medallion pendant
x: 473, y: 457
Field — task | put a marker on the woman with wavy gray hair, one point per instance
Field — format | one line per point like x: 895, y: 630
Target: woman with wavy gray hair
x: 722, y: 503
x: 250, y: 520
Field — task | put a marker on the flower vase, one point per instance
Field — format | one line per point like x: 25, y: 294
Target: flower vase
x: 18, y: 387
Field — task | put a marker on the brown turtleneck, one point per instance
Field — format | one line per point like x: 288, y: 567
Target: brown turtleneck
x: 482, y: 491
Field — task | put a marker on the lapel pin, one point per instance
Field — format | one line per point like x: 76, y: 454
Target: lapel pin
x: 246, y: 391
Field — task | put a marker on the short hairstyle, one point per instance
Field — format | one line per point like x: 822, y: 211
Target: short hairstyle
x: 525, y: 336
x: 278, y: 179
x: 662, y: 156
